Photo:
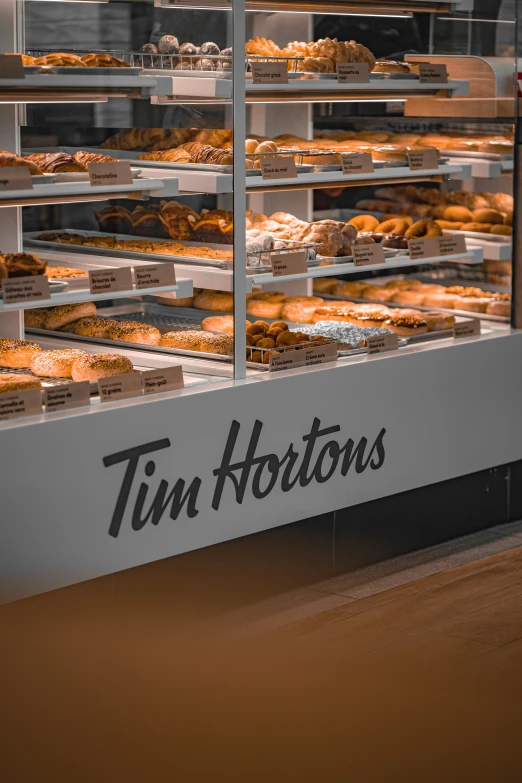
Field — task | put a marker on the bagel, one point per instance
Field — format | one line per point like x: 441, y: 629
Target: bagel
x: 66, y: 314
x: 55, y: 364
x: 393, y: 226
x: 364, y: 222
x: 503, y: 230
x: 14, y: 381
x: 449, y: 225
x: 424, y: 228
x: 17, y: 354
x: 487, y: 216
x: 459, y: 214
x: 482, y: 228
x: 91, y: 367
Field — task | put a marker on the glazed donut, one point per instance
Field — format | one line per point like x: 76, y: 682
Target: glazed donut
x: 482, y: 228
x: 134, y: 332
x: 390, y: 216
x: 12, y: 381
x: 267, y: 304
x: 220, y: 323
x: 55, y: 364
x: 364, y: 222
x: 220, y: 301
x: 503, y: 230
x: 66, y: 314
x: 91, y: 367
x: 458, y: 214
x: 487, y: 216
x: 325, y: 285
x: 36, y: 318
x: 424, y: 228
x: 300, y: 309
x: 17, y: 354
x: 449, y: 225
x: 393, y: 226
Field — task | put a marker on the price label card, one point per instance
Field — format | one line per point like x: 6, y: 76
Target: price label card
x: 381, y: 343
x: 350, y: 73
x: 104, y: 281
x: 278, y: 168
x: 117, y: 387
x: 25, y: 289
x: 357, y: 163
x: 67, y: 395
x: 163, y: 380
x: 269, y: 73
x: 428, y: 247
x: 20, y: 403
x: 433, y: 74
x: 11, y: 66
x: 15, y: 178
x: 367, y: 255
x: 466, y: 328
x: 154, y: 275
x: 117, y: 172
x: 422, y: 160
x: 452, y: 245
x: 303, y: 357
x: 288, y: 263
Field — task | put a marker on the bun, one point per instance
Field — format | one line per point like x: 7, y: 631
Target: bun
x: 91, y: 367
x: 17, y: 354
x: 205, y: 342
x: 55, y: 364
x: 66, y: 314
x: 487, y: 216
x: 11, y: 382
x: 267, y: 304
x: 219, y: 301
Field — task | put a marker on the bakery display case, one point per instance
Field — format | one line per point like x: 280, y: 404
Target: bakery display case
x: 243, y: 244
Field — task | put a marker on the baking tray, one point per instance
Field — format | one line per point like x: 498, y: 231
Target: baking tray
x: 496, y: 156
x: 54, y: 286
x: 71, y: 70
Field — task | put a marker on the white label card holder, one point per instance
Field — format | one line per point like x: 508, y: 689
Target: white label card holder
x: 469, y: 328
x: 104, y: 281
x: 269, y: 73
x: 381, y: 343
x: 11, y: 66
x: 154, y: 275
x: 15, y: 178
x: 353, y: 73
x: 423, y: 160
x: 118, y: 387
x: 284, y: 264
x: 429, y: 73
x: 368, y: 255
x: 278, y: 167
x: 162, y: 380
x: 25, y: 289
x: 20, y: 403
x: 303, y: 357
x: 357, y: 163
x: 67, y: 395
x: 117, y: 172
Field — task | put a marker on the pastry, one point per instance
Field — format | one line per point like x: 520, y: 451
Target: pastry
x: 91, y: 367
x: 267, y: 304
x: 300, y: 309
x: 65, y: 314
x: 487, y: 216
x: 12, y: 159
x: 396, y: 226
x: 438, y: 322
x: 134, y: 332
x: 61, y: 59
x: 23, y: 264
x: 17, y: 354
x: 325, y: 285
x: 205, y: 342
x: 169, y: 44
x: 90, y: 326
x: 55, y: 364
x: 35, y: 318
x: 501, y: 201
x: 11, y: 382
x: 423, y: 228
x: 64, y: 272
x: 84, y: 158
x: 219, y: 301
x: 458, y: 214
x: 219, y: 323
x: 476, y: 304
x: 54, y: 162
x: 406, y: 324
x: 187, y: 340
x: 391, y: 66
x: 364, y: 222
x: 103, y: 60
x: 114, y: 218
x: 145, y: 221
x: 498, y: 307
x: 350, y: 289
x: 390, y: 152
x: 409, y: 298
x: 209, y: 49
x: 482, y: 228
x: 348, y: 336
x: 502, y: 230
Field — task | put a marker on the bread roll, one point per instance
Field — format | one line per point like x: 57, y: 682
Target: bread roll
x: 66, y: 314
x: 55, y: 364
x: 91, y: 367
x: 17, y: 353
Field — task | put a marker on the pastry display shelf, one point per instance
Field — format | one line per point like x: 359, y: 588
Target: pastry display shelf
x: 352, y: 7
x: 183, y: 288
x: 169, y: 89
x: 68, y: 192
x: 81, y: 87
x: 493, y: 251
x: 487, y: 169
x: 331, y: 91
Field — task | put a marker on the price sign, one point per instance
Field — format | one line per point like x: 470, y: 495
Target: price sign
x: 25, y: 289
x: 428, y: 247
x: 117, y: 172
x: 381, y: 343
x: 422, y: 160
x: 15, y: 178
x: 303, y: 357
x: 288, y: 263
x: 269, y: 73
x: 154, y: 275
x: 466, y: 328
x: 67, y: 395
x: 278, y: 167
x: 20, y: 403
x: 357, y: 163
x: 350, y: 73
x: 368, y: 255
x: 11, y: 66
x: 433, y: 74
x: 163, y: 380
x: 452, y: 245
x: 117, y: 387
x: 105, y: 281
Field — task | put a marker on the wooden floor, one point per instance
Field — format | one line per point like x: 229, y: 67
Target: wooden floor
x: 422, y: 682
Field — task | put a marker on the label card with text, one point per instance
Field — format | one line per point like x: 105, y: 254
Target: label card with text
x: 15, y: 178
x: 422, y: 160
x: 357, y: 163
x: 117, y: 387
x: 25, y: 289
x: 303, y: 357
x: 154, y: 275
x: 452, y: 245
x: 103, y: 281
x: 368, y: 255
x: 117, y: 172
x: 288, y: 263
x: 467, y: 328
x: 381, y: 343
x: 11, y: 66
x: 278, y: 168
x: 167, y: 379
x: 427, y: 247
x: 269, y: 73
x: 20, y: 403
x: 67, y: 395
x: 353, y: 73
x: 433, y: 74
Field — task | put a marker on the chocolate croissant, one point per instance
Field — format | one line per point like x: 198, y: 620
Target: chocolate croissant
x: 84, y: 158
x: 53, y: 162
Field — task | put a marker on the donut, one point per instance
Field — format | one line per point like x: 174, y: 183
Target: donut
x: 501, y: 201
x: 449, y: 225
x: 487, y: 216
x: 325, y: 285
x: 475, y: 304
x: 424, y: 228
x: 379, y: 293
x: 220, y: 301
x: 220, y: 323
x: 438, y: 322
x: 495, y: 307
x: 55, y: 364
x: 483, y: 228
x: 396, y: 226
x: 458, y: 214
x: 91, y: 367
x: 364, y: 222
x: 415, y: 297
x: 406, y: 322
x: 17, y: 354
x: 356, y: 289
x: 391, y: 216
x: 35, y: 318
x: 12, y: 381
x: 66, y: 314
x: 503, y: 230
x: 390, y: 152
x: 267, y: 304
x: 395, y: 241
x: 300, y: 309
x: 134, y: 332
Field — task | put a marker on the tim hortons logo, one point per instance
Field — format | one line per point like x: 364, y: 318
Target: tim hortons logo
x: 318, y: 460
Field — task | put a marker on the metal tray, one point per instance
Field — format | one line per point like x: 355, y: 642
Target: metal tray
x: 54, y: 285
x: 71, y: 70
x: 501, y: 238
x: 497, y: 156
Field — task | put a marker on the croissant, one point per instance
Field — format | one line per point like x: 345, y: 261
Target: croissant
x: 52, y: 162
x: 262, y: 46
x: 84, y: 158
x: 175, y: 155
x: 151, y: 155
x: 100, y: 60
x: 135, y: 139
x: 12, y: 159
x: 60, y: 59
